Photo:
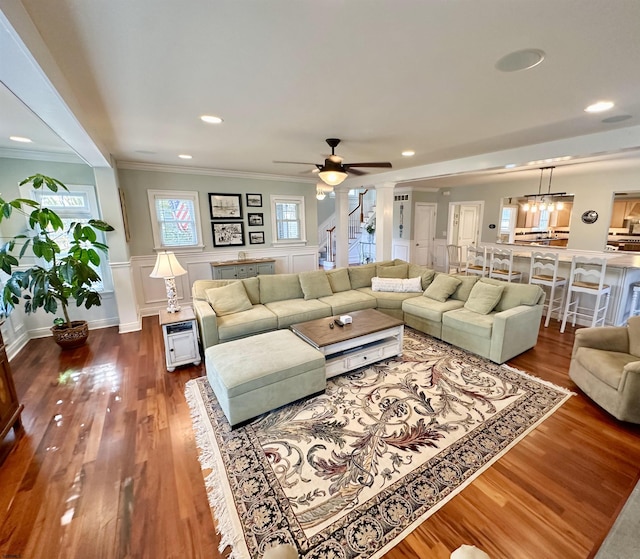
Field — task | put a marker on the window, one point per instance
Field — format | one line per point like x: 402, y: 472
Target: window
x: 288, y: 219
x: 79, y: 204
x: 175, y: 219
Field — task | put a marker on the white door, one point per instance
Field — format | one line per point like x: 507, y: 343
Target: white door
x: 425, y: 232
x: 469, y: 219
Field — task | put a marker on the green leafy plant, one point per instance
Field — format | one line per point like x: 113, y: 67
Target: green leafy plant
x: 371, y: 228
x: 61, y: 278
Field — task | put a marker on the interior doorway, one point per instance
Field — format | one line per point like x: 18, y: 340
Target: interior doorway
x: 425, y: 233
x: 464, y: 224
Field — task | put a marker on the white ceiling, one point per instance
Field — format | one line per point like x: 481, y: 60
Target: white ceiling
x: 384, y: 76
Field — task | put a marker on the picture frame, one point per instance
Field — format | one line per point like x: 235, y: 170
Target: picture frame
x: 255, y: 220
x: 254, y: 200
x: 228, y: 233
x: 225, y: 206
x: 256, y: 237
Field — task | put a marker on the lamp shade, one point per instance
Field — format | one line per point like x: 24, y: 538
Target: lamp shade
x: 167, y: 266
x: 332, y: 178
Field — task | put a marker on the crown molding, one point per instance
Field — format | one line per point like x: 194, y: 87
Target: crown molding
x: 35, y: 155
x: 137, y: 166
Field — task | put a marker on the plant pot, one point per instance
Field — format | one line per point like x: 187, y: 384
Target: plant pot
x: 68, y: 338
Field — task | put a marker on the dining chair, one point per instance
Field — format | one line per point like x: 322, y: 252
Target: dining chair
x: 454, y: 258
x: 477, y: 264
x: 502, y: 265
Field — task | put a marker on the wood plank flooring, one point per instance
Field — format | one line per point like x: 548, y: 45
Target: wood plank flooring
x: 109, y: 469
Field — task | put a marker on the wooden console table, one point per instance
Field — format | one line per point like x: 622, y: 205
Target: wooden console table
x: 239, y: 269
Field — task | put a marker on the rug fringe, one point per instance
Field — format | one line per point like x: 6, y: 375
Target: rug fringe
x: 539, y: 380
x: 230, y: 531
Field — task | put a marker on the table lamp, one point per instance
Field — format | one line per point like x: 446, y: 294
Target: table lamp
x: 168, y: 267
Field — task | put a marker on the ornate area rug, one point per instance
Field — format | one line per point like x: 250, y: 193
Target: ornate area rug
x: 351, y: 472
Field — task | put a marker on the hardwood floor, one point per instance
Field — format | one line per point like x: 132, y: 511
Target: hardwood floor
x: 108, y: 467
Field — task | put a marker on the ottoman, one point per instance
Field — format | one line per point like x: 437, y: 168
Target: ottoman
x: 254, y: 375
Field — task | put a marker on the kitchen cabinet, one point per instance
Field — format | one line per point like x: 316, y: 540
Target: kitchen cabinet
x: 562, y: 218
x: 618, y: 214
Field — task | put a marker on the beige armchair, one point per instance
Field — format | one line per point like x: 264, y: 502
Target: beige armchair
x: 605, y: 364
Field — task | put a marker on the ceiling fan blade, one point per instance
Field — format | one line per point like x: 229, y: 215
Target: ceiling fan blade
x: 356, y: 172
x: 297, y: 163
x: 381, y: 164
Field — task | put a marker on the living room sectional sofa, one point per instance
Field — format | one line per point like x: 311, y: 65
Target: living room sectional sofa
x: 494, y: 319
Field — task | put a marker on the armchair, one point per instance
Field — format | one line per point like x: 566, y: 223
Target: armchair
x: 605, y: 364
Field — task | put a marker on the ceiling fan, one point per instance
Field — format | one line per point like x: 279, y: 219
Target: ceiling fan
x: 333, y: 171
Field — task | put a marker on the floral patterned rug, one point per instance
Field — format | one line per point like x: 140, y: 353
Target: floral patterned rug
x: 351, y: 472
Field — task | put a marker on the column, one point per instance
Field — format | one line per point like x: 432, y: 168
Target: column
x: 342, y: 227
x: 384, y: 221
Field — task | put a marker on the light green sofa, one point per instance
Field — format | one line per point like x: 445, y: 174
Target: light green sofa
x: 265, y: 303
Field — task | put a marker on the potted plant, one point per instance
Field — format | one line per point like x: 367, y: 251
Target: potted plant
x: 61, y: 278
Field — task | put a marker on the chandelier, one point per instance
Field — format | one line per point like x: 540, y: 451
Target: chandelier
x: 544, y: 201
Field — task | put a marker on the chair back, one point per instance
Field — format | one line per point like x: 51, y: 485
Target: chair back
x: 587, y: 273
x: 544, y: 268
x: 477, y: 260
x: 454, y: 258
x: 502, y: 265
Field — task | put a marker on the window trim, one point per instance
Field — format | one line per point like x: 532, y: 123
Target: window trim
x: 299, y: 201
x: 193, y: 195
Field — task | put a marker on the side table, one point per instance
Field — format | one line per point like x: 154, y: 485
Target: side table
x: 180, y: 332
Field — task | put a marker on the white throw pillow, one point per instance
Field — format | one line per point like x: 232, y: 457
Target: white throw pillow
x: 397, y: 285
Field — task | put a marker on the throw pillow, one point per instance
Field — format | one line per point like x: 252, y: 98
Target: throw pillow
x: 360, y: 276
x: 484, y: 297
x: 339, y: 280
x: 442, y: 287
x: 427, y: 274
x: 280, y: 287
x: 315, y: 284
x: 393, y: 285
x: 412, y: 285
x: 399, y: 271
x: 464, y: 289
x: 229, y: 299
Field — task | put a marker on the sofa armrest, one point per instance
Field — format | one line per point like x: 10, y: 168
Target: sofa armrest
x: 514, y: 330
x: 607, y: 338
x: 207, y: 323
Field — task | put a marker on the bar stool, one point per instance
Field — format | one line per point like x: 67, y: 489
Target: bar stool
x: 502, y: 265
x: 477, y: 261
x: 543, y: 271
x: 454, y: 258
x: 581, y: 269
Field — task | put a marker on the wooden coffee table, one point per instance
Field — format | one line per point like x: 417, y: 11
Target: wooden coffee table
x: 371, y: 337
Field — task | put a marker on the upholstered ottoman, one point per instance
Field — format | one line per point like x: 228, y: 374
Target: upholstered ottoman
x: 257, y: 374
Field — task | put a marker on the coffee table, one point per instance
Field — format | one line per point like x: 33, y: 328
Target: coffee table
x: 371, y: 337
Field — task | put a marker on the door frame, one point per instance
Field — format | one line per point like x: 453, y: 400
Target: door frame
x: 452, y: 225
x: 434, y: 206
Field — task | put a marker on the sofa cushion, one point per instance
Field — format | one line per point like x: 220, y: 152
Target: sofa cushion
x: 399, y: 271
x: 339, y: 280
x: 292, y: 311
x: 516, y: 294
x: 470, y: 322
x: 388, y: 299
x: 349, y: 301
x: 238, y: 325
x: 252, y: 287
x: 633, y: 331
x: 484, y: 297
x: 606, y: 366
x: 430, y: 309
x: 397, y: 285
x: 464, y: 289
x: 315, y: 284
x: 426, y: 274
x: 229, y: 299
x: 442, y: 287
x: 280, y: 287
x: 360, y: 276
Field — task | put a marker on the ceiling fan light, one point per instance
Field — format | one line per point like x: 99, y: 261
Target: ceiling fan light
x: 320, y: 195
x: 332, y: 178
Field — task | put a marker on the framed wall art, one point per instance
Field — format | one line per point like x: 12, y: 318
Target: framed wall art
x: 228, y: 234
x: 254, y: 200
x: 225, y: 206
x: 255, y: 220
x: 256, y: 237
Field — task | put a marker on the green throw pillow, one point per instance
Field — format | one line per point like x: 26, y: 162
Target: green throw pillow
x: 315, y: 284
x: 484, y: 297
x: 360, y: 276
x: 442, y: 287
x: 464, y: 289
x: 339, y: 280
x: 426, y: 274
x: 399, y: 271
x: 229, y: 299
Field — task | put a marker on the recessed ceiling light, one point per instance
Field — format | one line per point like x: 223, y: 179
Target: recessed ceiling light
x: 520, y: 60
x: 210, y: 119
x: 408, y: 153
x: 599, y: 107
x: 185, y: 156
x: 20, y: 139
x: 510, y: 166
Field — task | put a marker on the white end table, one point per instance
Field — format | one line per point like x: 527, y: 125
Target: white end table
x: 180, y: 332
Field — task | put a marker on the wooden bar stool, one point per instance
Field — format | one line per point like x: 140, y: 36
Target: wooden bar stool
x: 502, y: 265
x: 477, y: 261
x: 587, y: 277
x: 543, y: 271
